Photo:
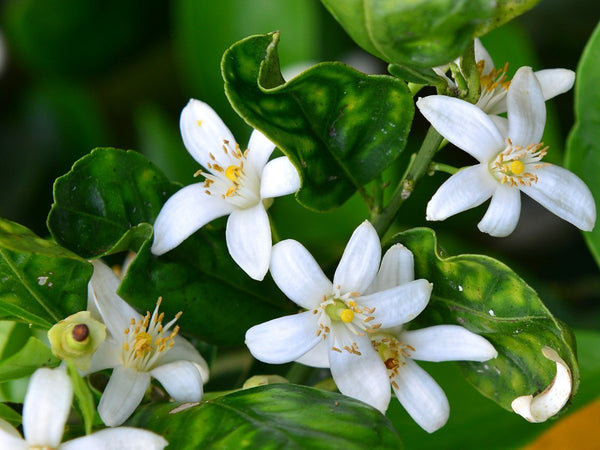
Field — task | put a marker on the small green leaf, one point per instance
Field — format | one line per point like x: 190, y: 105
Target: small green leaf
x: 488, y: 298
x: 10, y: 415
x: 107, y: 201
x: 27, y: 360
x: 583, y: 146
x: 341, y: 128
x: 42, y: 282
x: 271, y: 417
x: 83, y: 397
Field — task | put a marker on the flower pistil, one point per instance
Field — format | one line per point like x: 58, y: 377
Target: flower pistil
x: 515, y: 164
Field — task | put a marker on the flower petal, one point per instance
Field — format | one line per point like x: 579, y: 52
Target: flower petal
x: 397, y: 267
x: 122, y: 438
x: 555, y: 81
x: 564, y: 194
x: 552, y: 399
x: 363, y: 377
x: 203, y: 131
x: 283, y: 339
x: 466, y: 189
x: 114, y: 311
x: 181, y: 379
x: 526, y: 108
x: 360, y: 261
x: 463, y: 124
x: 183, y: 350
x: 122, y: 395
x: 398, y: 305
x: 7, y: 429
x: 500, y: 122
x: 448, y: 343
x: 298, y: 275
x: 184, y: 213
x: 47, y: 406
x: 481, y: 54
x: 10, y: 440
x: 248, y: 236
x: 318, y: 356
x: 108, y: 356
x: 423, y: 399
x: 259, y: 150
x: 502, y: 215
x: 279, y: 177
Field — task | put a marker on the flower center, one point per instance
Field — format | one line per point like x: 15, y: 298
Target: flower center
x: 146, y: 340
x: 229, y: 178
x: 343, y: 317
x: 516, y: 165
x: 494, y: 86
x: 392, y: 352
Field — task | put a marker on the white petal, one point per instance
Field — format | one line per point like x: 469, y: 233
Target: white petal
x: 318, y: 356
x: 248, y: 236
x: 502, y: 215
x: 555, y: 81
x: 363, y: 377
x: 181, y: 379
x: 448, y: 343
x: 463, y: 124
x: 122, y: 395
x: 481, y: 54
x: 398, y: 305
x: 115, y: 312
x: 10, y: 440
x: 397, y: 267
x: 298, y: 275
x: 283, y: 339
x: 564, y: 194
x: 122, y: 438
x: 7, y: 429
x: 552, y: 399
x: 423, y: 399
x: 279, y: 177
x: 183, y: 350
x: 466, y: 189
x: 526, y: 109
x: 500, y: 122
x: 360, y: 261
x: 203, y: 131
x: 184, y: 213
x: 47, y: 406
x: 259, y: 150
x: 108, y: 356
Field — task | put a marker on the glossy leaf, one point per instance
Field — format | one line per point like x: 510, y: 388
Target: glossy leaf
x: 107, y: 201
x: 218, y: 300
x: 27, y: 360
x: 10, y: 415
x: 270, y: 417
x: 583, y: 147
x: 42, y: 282
x: 340, y: 128
x: 488, y: 298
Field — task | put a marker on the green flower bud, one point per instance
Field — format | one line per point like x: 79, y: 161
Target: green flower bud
x: 261, y: 380
x: 77, y: 338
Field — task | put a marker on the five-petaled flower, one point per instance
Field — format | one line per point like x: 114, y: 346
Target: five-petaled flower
x: 239, y: 183
x: 137, y: 348
x: 340, y: 316
x: 509, y: 154
x: 45, y: 411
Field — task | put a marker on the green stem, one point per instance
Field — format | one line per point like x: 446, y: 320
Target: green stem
x: 416, y: 169
x: 440, y: 167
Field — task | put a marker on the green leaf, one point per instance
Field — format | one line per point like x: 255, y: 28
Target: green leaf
x: 83, y: 397
x: 416, y: 75
x: 27, y: 360
x: 488, y: 298
x: 583, y: 146
x: 106, y: 202
x: 218, y: 300
x: 339, y: 127
x: 42, y: 282
x: 271, y: 417
x: 421, y: 33
x: 10, y: 415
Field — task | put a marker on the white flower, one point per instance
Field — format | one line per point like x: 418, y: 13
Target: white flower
x: 495, y: 84
x: 334, y: 330
x: 552, y: 399
x: 45, y: 411
x: 509, y: 154
x: 237, y: 182
x: 137, y: 348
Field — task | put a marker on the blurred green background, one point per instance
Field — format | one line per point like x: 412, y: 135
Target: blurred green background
x: 79, y: 74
